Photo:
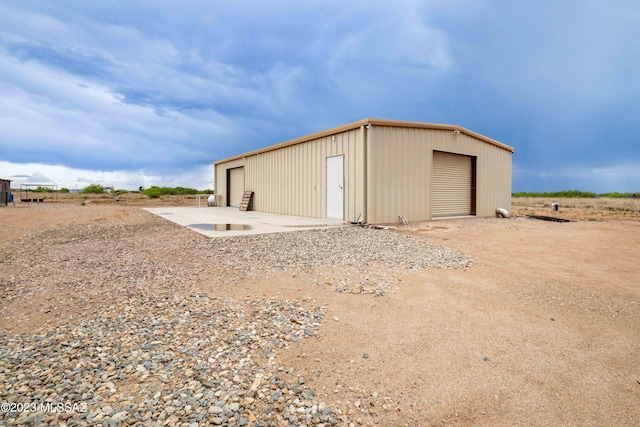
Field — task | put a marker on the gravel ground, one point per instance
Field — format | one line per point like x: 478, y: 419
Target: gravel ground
x: 351, y: 259
x: 133, y: 343
x: 166, y: 361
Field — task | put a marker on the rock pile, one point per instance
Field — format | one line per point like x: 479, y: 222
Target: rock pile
x: 166, y: 361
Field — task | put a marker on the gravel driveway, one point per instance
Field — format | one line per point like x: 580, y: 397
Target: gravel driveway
x: 102, y: 326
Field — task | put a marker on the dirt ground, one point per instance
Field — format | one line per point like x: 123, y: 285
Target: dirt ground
x: 544, y: 329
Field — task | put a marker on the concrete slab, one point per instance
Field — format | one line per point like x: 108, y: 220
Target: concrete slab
x: 226, y: 221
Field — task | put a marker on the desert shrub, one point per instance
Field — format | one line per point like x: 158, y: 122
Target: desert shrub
x: 155, y: 192
x: 558, y: 194
x: 616, y: 195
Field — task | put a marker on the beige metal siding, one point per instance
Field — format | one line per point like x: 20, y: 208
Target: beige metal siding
x: 236, y: 187
x: 400, y: 165
x: 450, y: 185
x: 292, y: 180
x: 398, y: 175
x: 387, y: 171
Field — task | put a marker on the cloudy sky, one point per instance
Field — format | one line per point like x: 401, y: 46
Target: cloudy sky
x: 152, y: 92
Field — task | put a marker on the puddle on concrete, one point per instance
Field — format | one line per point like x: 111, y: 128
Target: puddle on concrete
x: 221, y: 227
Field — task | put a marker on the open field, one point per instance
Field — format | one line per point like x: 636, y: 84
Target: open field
x: 579, y: 208
x: 128, y: 199
x: 574, y: 208
x: 147, y: 323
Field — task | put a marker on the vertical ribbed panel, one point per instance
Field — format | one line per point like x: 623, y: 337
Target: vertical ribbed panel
x: 398, y: 171
x: 401, y: 163
x: 450, y: 185
x: 292, y: 180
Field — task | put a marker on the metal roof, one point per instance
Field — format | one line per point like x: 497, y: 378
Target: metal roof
x: 373, y: 122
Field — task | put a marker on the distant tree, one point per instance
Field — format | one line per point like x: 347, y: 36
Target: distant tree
x: 184, y: 190
x: 154, y: 192
x: 93, y: 189
x: 64, y: 190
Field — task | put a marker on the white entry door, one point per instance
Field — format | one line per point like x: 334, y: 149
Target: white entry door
x: 236, y: 186
x: 335, y: 187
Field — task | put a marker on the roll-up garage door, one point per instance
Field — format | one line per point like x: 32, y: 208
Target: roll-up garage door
x: 236, y: 186
x: 450, y: 185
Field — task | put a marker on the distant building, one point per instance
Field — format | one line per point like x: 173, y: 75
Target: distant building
x: 374, y: 171
x: 5, y: 192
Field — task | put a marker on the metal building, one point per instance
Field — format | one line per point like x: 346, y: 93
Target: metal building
x: 5, y: 192
x: 374, y: 171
